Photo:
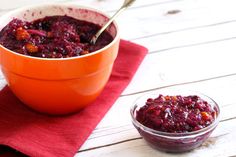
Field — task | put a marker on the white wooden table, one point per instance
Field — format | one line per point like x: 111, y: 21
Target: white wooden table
x: 192, y: 44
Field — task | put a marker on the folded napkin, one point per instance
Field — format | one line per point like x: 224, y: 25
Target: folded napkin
x: 23, y: 131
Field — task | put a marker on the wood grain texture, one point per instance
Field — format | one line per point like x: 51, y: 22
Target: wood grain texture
x: 191, y: 46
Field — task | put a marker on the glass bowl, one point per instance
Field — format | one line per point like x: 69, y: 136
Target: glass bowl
x: 174, y: 142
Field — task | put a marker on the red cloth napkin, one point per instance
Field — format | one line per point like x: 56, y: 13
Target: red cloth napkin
x: 35, y: 134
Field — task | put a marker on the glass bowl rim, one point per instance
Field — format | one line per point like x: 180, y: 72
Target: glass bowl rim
x: 175, y: 135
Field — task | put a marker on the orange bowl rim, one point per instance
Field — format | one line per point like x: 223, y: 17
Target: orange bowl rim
x: 117, y: 36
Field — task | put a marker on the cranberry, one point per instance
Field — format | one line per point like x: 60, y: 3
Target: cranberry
x: 52, y: 37
x: 176, y: 114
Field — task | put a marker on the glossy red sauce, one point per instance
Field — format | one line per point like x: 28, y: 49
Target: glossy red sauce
x: 176, y: 114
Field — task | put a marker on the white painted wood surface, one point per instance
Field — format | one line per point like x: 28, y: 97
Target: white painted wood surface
x: 193, y: 49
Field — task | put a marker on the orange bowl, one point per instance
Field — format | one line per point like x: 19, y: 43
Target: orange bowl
x: 58, y: 86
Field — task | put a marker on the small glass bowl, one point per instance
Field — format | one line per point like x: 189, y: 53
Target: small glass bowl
x: 173, y: 142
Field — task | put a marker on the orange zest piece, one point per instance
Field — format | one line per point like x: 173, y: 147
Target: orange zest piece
x: 22, y: 34
x: 206, y: 116
x: 31, y: 48
x: 84, y: 53
x: 174, y: 98
x: 167, y: 97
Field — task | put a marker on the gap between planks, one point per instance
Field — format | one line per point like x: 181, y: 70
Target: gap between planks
x: 111, y: 144
x: 179, y: 84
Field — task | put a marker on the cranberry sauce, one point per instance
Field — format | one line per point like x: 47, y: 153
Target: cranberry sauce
x: 176, y: 114
x: 52, y: 37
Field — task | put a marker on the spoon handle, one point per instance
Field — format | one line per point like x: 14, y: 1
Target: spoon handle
x: 126, y: 4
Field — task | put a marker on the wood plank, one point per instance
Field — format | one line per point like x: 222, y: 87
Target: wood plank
x: 188, y: 37
x: 155, y: 20
x: 220, y: 144
x: 184, y: 65
x: 2, y: 83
